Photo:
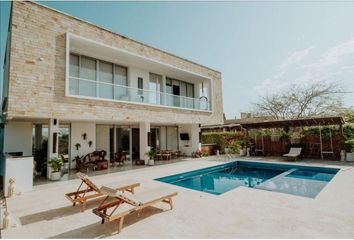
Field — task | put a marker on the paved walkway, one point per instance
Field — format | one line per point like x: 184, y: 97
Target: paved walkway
x: 240, y: 213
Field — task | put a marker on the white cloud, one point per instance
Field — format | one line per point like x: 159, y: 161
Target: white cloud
x: 295, y: 58
x: 334, y: 64
x: 335, y: 54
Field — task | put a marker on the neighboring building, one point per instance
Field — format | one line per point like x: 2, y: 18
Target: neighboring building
x: 63, y: 74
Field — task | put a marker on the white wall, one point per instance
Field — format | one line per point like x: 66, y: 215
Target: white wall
x: 77, y: 129
x: 163, y: 138
x: 190, y: 146
x: 172, y: 141
x: 20, y: 169
x: 18, y: 138
x: 102, y: 138
x: 134, y: 73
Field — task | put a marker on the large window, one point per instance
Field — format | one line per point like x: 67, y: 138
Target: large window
x: 97, y: 78
x: 120, y: 81
x: 155, y: 88
x: 179, y: 88
x: 106, y: 80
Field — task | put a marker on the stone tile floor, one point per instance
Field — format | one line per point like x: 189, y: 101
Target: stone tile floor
x: 240, y: 213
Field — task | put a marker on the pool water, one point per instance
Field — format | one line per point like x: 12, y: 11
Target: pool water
x: 297, y: 180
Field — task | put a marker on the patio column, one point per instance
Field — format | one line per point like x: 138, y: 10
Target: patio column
x: 144, y: 134
x: 53, y: 129
x: 38, y: 136
x: 195, y: 137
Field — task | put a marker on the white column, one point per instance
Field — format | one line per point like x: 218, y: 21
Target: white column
x: 144, y: 129
x: 53, y: 132
x: 194, y: 138
x: 163, y: 89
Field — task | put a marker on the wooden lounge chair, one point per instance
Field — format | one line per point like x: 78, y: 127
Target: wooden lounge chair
x: 124, y: 204
x: 87, y: 190
x: 293, y: 153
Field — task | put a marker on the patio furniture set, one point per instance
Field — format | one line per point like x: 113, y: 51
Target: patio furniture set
x: 117, y: 204
x: 167, y: 154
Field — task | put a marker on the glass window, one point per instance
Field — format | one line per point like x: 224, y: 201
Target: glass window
x: 87, y: 84
x: 74, y: 74
x: 155, y: 88
x: 106, y: 80
x: 120, y: 78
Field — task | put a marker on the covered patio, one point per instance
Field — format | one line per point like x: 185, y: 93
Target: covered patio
x: 326, y: 143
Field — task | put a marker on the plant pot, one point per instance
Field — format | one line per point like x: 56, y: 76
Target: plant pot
x: 54, y: 176
x: 350, y: 157
x: 151, y: 162
x: 243, y: 152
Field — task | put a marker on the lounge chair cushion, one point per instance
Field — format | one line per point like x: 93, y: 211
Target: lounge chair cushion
x: 119, y: 194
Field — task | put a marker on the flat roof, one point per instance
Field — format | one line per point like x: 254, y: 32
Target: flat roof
x: 300, y: 122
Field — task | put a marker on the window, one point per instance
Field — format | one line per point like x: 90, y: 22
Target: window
x: 140, y: 86
x: 179, y: 88
x: 155, y: 88
x: 87, y: 86
x: 74, y: 73
x: 120, y: 78
x: 95, y: 78
x: 106, y: 80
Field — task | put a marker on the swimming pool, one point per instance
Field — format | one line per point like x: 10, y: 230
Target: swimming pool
x: 292, y: 179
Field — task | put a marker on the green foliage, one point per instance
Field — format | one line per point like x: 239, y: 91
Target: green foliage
x: 151, y: 154
x: 348, y: 131
x: 55, y: 164
x: 224, y: 140
x: 349, y: 145
x: 325, y: 131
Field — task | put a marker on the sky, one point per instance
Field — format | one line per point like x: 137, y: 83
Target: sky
x: 259, y: 47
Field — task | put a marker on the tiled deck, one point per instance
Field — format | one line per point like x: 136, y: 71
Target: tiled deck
x: 240, y: 213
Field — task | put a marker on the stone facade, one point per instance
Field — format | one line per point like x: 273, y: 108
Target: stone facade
x: 37, y: 73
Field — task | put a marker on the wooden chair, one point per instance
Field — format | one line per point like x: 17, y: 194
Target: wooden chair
x: 87, y: 190
x: 125, y: 204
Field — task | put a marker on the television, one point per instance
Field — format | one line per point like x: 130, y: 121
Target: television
x: 184, y: 136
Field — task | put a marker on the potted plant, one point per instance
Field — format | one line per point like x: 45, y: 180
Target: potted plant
x: 55, y: 164
x: 243, y: 149
x: 65, y: 161
x: 151, y: 154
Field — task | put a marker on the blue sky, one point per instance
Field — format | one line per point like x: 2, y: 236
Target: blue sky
x: 260, y: 47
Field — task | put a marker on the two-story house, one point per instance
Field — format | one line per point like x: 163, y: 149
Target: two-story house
x: 107, y: 91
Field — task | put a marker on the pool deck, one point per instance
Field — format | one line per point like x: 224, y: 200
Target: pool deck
x: 240, y: 213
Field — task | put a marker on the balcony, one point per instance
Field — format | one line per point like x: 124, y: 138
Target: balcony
x: 108, y: 91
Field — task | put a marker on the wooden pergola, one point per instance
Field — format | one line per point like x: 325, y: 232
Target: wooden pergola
x: 302, y: 122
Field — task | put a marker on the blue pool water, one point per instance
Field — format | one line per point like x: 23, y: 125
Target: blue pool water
x: 292, y: 179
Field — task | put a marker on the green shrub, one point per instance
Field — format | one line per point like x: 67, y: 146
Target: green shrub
x: 349, y: 145
x: 224, y: 140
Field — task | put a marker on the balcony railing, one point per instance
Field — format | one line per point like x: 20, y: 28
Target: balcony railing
x: 102, y: 90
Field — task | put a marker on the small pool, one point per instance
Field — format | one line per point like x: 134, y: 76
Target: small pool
x: 292, y: 179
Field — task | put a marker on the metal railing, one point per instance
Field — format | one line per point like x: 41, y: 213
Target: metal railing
x: 103, y: 90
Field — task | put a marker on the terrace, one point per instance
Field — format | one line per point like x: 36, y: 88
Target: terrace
x: 196, y: 214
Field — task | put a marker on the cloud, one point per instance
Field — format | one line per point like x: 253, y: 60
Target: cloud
x: 335, y: 54
x: 333, y: 64
x: 295, y: 58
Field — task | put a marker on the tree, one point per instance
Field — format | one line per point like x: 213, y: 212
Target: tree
x: 298, y: 101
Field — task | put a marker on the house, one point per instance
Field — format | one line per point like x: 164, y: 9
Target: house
x: 102, y: 90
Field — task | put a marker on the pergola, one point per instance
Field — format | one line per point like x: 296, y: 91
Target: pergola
x: 302, y: 122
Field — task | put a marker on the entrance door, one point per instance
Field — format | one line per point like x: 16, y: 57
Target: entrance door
x: 123, y: 141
